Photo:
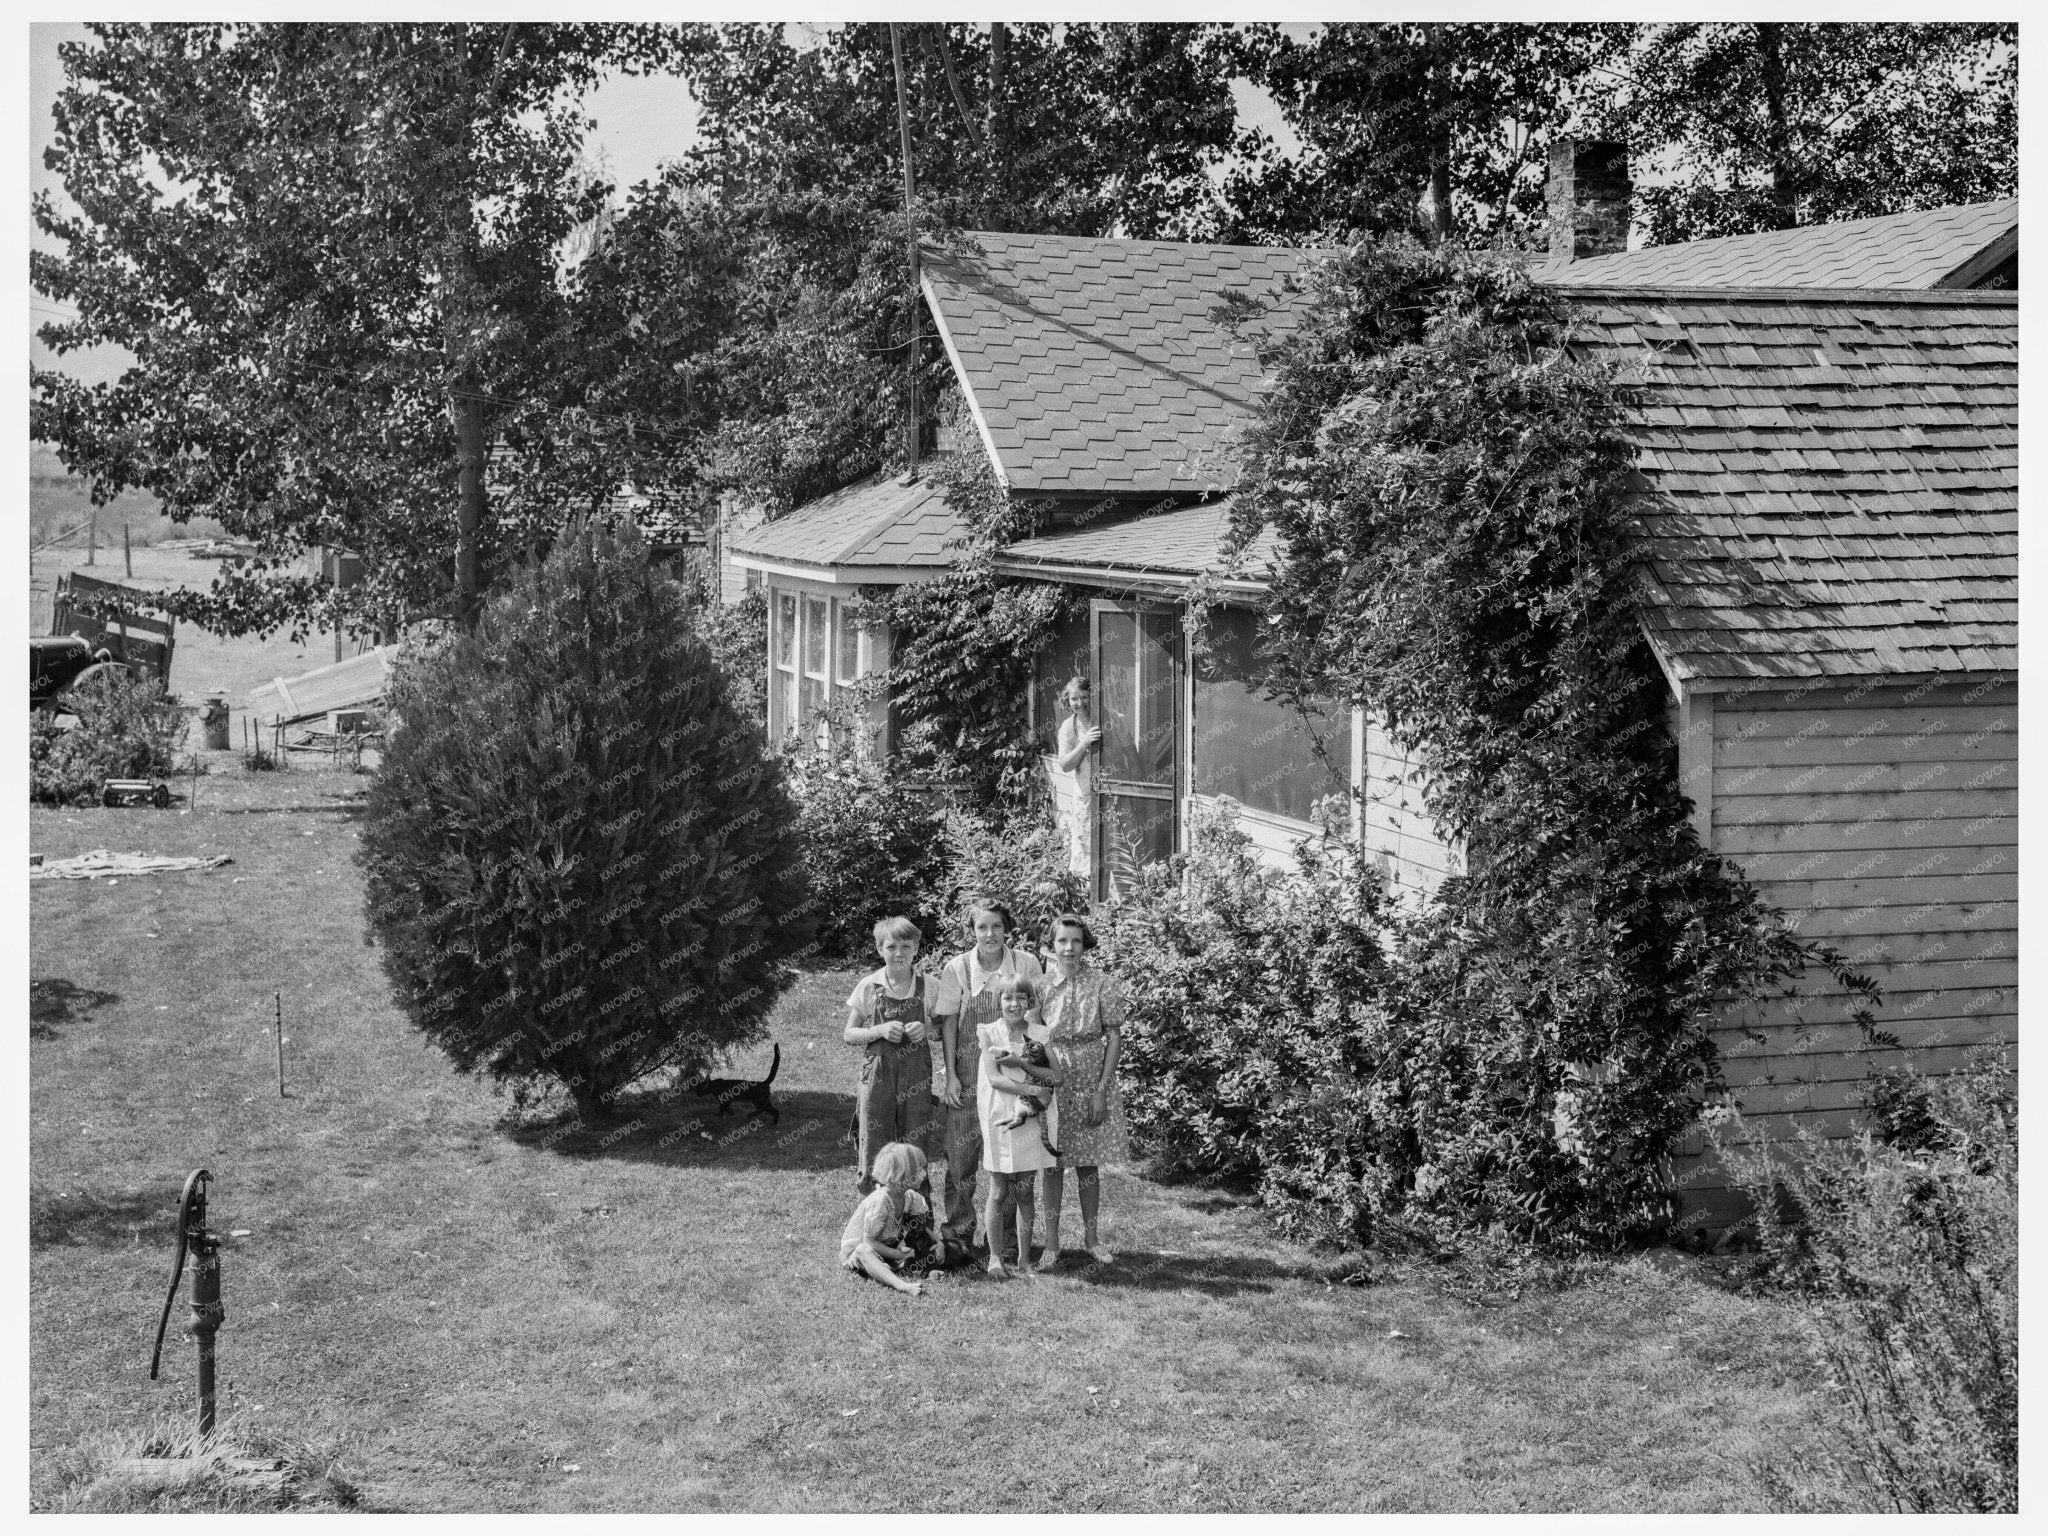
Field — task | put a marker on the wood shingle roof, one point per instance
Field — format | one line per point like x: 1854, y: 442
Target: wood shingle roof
x: 1938, y: 248
x: 1831, y: 479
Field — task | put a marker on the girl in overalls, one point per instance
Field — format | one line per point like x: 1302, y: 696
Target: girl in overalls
x: 975, y: 976
x: 895, y: 1014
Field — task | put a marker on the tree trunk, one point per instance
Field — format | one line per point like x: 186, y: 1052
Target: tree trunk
x: 1778, y: 133
x: 1440, y: 192
x: 992, y: 134
x: 469, y: 504
x: 1439, y: 195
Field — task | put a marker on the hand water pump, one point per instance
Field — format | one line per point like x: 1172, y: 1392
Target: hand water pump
x: 207, y: 1312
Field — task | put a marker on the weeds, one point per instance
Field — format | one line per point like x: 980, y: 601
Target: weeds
x: 1903, y: 1249
x: 166, y: 1470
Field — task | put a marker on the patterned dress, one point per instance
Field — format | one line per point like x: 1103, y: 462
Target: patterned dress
x: 1078, y: 1015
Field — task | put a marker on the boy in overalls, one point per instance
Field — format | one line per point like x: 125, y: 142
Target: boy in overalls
x: 896, y: 1014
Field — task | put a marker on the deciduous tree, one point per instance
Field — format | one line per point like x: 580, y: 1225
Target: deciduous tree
x: 335, y: 254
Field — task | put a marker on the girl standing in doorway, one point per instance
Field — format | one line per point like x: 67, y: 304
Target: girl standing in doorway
x: 1078, y: 737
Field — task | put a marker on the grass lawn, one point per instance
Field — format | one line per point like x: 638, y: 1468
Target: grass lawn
x: 479, y: 1313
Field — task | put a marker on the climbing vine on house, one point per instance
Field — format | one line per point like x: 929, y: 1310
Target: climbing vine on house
x: 1452, y: 487
x: 963, y: 646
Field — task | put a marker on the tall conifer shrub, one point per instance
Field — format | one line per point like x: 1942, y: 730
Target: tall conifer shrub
x: 580, y: 854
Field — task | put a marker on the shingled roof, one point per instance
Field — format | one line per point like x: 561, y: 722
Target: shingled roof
x: 1175, y: 544
x: 1097, y: 366
x: 876, y: 526
x: 1940, y: 248
x: 1832, y: 479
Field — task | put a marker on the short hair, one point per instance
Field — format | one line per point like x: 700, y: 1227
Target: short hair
x: 978, y: 904
x: 1019, y: 986
x: 1071, y: 920
x: 898, y: 1163
x: 1076, y: 681
x: 897, y: 928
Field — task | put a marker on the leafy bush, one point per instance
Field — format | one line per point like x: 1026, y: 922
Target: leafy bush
x: 1358, y: 1060
x: 737, y: 633
x: 1904, y: 1246
x: 1020, y: 861
x: 962, y: 648
x: 873, y: 845
x: 581, y: 858
x: 127, y: 729
x: 1257, y: 1045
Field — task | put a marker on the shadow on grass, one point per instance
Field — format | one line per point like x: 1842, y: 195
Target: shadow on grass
x: 685, y: 1131
x: 1215, y: 1274
x: 53, y: 1000
x: 86, y: 1219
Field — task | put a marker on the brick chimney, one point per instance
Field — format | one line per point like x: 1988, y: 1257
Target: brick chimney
x: 1588, y: 196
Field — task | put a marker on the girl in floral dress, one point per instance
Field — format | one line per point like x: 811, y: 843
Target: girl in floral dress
x: 1084, y: 1014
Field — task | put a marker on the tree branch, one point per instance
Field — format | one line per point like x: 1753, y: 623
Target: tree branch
x: 959, y: 96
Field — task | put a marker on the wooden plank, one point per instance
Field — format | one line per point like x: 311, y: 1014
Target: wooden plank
x: 1842, y: 1066
x: 1950, y: 719
x: 1967, y: 887
x: 1696, y: 761
x: 1742, y: 843
x: 1837, y: 924
x: 1921, y: 974
x: 358, y: 680
x: 1899, y: 1010
x: 1864, y: 778
x: 1984, y: 744
x: 1985, y: 691
x: 1911, y: 807
x: 1868, y: 863
x: 1981, y: 1029
x: 1917, y: 948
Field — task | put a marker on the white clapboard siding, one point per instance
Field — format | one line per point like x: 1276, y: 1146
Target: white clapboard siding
x: 1272, y: 836
x: 1882, y: 821
x: 1393, y: 827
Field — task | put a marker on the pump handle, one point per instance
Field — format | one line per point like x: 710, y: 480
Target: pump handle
x: 191, y: 1224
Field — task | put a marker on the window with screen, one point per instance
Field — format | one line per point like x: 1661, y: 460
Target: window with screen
x: 816, y: 640
x: 1065, y: 658
x: 1259, y: 752
x: 846, y: 649
x: 784, y: 680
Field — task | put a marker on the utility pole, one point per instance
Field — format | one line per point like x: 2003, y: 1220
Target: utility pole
x: 910, y: 234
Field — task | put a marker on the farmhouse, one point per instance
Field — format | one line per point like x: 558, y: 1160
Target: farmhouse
x: 1829, y: 519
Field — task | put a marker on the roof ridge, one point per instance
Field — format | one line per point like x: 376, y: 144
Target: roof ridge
x: 1131, y: 240
x: 1992, y: 297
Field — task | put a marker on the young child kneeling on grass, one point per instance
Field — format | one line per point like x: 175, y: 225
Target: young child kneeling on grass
x: 891, y: 1228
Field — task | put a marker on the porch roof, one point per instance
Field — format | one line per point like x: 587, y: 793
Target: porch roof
x: 1937, y: 248
x: 877, y: 528
x: 1175, y: 545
